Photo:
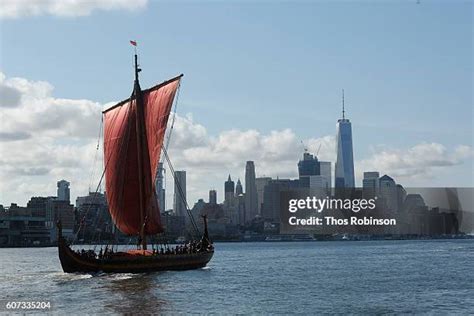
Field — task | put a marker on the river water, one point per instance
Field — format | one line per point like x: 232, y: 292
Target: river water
x: 359, y: 277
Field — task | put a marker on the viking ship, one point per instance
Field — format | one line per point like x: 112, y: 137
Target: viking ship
x: 134, y: 133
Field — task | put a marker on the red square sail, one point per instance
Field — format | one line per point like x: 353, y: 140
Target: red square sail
x: 121, y: 157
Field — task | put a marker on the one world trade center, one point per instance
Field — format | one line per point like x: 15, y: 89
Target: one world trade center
x: 344, y: 171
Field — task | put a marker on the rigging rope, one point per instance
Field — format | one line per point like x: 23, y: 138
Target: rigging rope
x: 94, y: 164
x: 174, y: 117
x: 88, y: 209
x: 82, y: 222
x: 180, y: 191
x: 83, y: 219
x: 169, y: 135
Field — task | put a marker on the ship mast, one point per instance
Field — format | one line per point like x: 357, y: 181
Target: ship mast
x: 141, y: 138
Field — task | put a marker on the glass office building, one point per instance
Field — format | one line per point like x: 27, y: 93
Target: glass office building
x: 344, y: 174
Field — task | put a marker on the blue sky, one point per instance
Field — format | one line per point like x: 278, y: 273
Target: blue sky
x: 406, y: 68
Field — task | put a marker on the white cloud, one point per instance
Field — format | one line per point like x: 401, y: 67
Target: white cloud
x: 418, y: 162
x: 191, y: 146
x: 44, y: 139
x: 208, y: 160
x: 37, y: 112
x: 65, y: 8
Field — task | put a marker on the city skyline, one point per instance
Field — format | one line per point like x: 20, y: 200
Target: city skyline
x: 370, y: 181
x: 51, y: 124
x: 290, y: 174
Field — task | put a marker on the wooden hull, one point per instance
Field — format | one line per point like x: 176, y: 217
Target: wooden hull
x: 73, y: 262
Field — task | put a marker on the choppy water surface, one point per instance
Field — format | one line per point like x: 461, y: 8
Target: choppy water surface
x: 382, y: 277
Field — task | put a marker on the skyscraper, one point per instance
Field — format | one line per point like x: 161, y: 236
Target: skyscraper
x: 240, y: 209
x: 271, y: 197
x: 229, y: 191
x: 260, y: 183
x: 63, y: 190
x: 308, y: 166
x: 179, y: 204
x: 159, y: 185
x: 238, y: 188
x: 212, y: 197
x: 413, y: 202
x: 320, y: 185
x: 344, y: 173
x: 401, y: 196
x: 251, y: 200
x: 325, y: 171
x: 370, y: 184
x: 240, y: 203
x: 389, y: 192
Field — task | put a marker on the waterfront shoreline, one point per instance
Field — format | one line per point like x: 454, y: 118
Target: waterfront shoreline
x: 283, y: 240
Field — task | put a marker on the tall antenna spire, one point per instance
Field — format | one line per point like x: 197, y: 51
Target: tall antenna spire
x: 343, y: 111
